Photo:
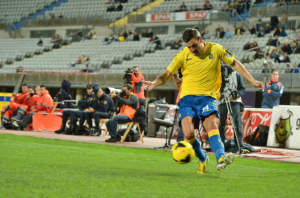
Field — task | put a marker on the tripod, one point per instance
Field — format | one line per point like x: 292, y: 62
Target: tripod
x: 167, y: 124
x: 227, y: 95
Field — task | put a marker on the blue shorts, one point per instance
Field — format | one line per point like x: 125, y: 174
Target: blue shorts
x: 197, y: 107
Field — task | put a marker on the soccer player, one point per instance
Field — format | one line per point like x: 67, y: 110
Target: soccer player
x: 201, y: 82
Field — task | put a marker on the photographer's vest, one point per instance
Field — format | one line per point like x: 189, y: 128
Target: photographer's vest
x: 233, y: 85
x: 128, y: 110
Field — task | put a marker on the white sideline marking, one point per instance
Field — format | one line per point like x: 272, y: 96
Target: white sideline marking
x: 154, y: 156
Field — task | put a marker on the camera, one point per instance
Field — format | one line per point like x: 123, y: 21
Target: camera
x: 120, y: 92
x: 127, y: 76
x: 227, y: 89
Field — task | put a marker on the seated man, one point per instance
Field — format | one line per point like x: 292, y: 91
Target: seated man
x: 102, y: 106
x: 44, y: 105
x: 12, y: 108
x: 129, y: 105
x: 74, y: 115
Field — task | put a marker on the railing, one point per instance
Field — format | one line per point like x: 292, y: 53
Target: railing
x: 290, y: 80
x: 267, y: 11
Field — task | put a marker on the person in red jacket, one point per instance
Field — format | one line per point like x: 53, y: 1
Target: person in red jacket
x: 44, y: 105
x: 29, y: 105
x: 15, y: 106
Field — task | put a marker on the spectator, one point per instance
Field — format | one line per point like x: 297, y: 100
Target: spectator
x: 91, y: 70
x: 261, y: 32
x: 121, y: 37
x: 287, y: 69
x: 87, y: 59
x: 273, y: 44
x: 253, y: 30
x: 294, y: 48
x: 86, y: 68
x: 136, y: 36
x: 88, y: 36
x: 111, y: 8
x: 283, y: 59
x: 150, y: 33
x: 274, y: 54
x: 40, y: 43
x: 144, y: 34
x: 119, y: 7
x: 267, y: 69
x: 176, y: 45
x: 272, y: 91
x: 217, y: 33
x: 222, y: 33
x: 268, y: 29
x: 293, y: 34
x: 206, y: 35
x: 60, y: 15
x: 196, y: 8
x: 284, y: 21
x: 274, y: 21
x: 129, y: 37
x: 183, y: 7
x: 94, y: 36
x: 125, y: 34
x: 276, y: 31
x: 227, y: 34
x: 157, y: 41
x: 110, y: 39
x: 286, y: 48
x: 247, y: 45
x: 258, y: 21
x: 239, y: 30
x: 52, y: 16
x: 207, y: 5
x: 269, y: 41
x: 79, y: 61
x: 83, y: 59
x: 295, y: 69
x: 282, y: 33
x: 281, y: 3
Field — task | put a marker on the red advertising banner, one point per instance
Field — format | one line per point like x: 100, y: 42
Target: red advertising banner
x: 253, y: 118
x: 195, y: 15
x: 161, y: 17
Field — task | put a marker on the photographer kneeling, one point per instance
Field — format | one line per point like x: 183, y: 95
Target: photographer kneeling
x: 236, y: 88
x: 129, y: 105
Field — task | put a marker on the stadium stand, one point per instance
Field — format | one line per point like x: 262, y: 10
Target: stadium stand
x: 12, y: 11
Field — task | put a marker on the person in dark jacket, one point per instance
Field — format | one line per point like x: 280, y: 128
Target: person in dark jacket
x: 222, y: 33
x: 274, y: 21
x: 253, y: 30
x: 272, y: 92
x: 102, y: 106
x: 236, y: 84
x: 268, y: 29
x: 74, y: 115
x: 129, y: 105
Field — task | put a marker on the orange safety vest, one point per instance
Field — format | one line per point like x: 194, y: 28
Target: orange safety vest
x: 128, y: 110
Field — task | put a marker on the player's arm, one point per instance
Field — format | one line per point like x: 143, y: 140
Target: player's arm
x: 176, y: 81
x: 243, y: 71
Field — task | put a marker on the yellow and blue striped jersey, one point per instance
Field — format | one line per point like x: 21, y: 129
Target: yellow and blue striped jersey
x: 201, y: 74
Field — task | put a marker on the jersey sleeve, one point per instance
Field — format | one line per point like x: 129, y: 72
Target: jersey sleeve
x: 225, y: 55
x: 176, y: 63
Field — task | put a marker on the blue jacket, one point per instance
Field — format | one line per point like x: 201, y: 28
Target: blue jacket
x: 84, y: 102
x: 272, y: 93
x: 103, y: 104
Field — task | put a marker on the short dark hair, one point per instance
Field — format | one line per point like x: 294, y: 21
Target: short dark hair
x: 136, y: 67
x: 128, y: 86
x: 24, y: 85
x: 43, y: 86
x: 30, y: 87
x: 190, y: 33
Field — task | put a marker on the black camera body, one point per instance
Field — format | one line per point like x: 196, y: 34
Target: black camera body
x: 225, y: 86
x: 127, y: 76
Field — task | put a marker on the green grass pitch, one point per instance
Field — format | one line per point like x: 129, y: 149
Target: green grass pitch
x: 36, y: 167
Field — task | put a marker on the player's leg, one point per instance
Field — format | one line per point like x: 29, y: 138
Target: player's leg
x: 223, y: 118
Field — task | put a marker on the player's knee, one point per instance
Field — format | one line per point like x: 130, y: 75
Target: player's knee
x: 189, y: 136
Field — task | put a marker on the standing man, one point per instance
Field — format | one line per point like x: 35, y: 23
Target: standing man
x: 138, y: 88
x: 274, y: 21
x: 236, y: 84
x: 258, y: 21
x: 102, y: 106
x: 129, y: 105
x: 284, y: 21
x: 272, y: 92
x: 74, y: 115
x: 201, y: 82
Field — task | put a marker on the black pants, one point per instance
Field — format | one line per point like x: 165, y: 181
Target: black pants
x: 74, y: 115
x: 97, y: 115
x: 26, y: 120
x: 237, y: 119
x: 143, y: 125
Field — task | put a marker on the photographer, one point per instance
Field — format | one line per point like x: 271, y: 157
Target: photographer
x: 129, y: 105
x: 74, y: 115
x: 102, y: 106
x: 137, y: 80
x: 237, y: 88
